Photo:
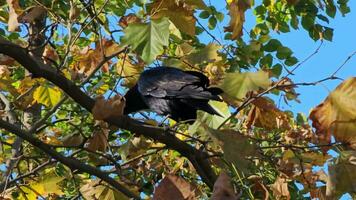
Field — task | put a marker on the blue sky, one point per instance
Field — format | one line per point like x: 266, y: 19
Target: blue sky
x: 331, y: 55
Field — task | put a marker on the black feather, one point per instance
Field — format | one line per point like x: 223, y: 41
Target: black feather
x: 171, y: 91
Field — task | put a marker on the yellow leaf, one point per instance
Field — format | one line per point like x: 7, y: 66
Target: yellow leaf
x: 129, y: 71
x: 337, y: 115
x: 208, y: 54
x: 96, y: 190
x: 237, y: 10
x: 238, y: 84
x: 46, y: 95
x: 181, y: 16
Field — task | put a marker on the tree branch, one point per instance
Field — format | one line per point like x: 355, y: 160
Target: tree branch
x: 39, y: 69
x: 72, y: 163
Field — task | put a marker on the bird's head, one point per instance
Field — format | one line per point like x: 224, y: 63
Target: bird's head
x: 134, y: 101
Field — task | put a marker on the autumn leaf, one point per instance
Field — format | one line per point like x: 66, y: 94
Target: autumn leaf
x: 342, y: 176
x: 104, y: 109
x: 73, y: 140
x: 47, y: 95
x: 94, y: 190
x: 14, y: 12
x: 266, y: 115
x: 175, y: 187
x: 223, y: 189
x: 237, y: 148
x: 207, y: 54
x: 147, y: 39
x: 129, y: 71
x: 337, y: 115
x: 238, y: 84
x: 182, y: 16
x: 134, y: 147
x: 237, y: 10
x: 280, y: 188
x: 87, y: 59
x: 99, y: 141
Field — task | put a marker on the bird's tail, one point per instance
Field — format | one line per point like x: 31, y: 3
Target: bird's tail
x: 204, y: 106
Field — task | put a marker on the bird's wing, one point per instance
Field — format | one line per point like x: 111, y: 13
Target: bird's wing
x: 170, y: 82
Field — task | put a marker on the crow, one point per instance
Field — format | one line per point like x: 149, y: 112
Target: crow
x: 172, y: 92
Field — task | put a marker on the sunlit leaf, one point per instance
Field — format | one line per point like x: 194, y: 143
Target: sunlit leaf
x: 47, y: 95
x: 149, y: 39
x: 238, y: 84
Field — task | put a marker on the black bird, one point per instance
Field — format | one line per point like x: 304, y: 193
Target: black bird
x: 173, y: 92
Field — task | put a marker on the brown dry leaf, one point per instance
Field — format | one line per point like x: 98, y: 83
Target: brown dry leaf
x: 73, y: 140
x: 104, y: 109
x: 259, y: 186
x: 342, y: 176
x: 318, y: 193
x: 223, y: 189
x: 337, y: 115
x: 99, y: 141
x: 237, y: 10
x: 182, y: 16
x: 32, y: 14
x: 88, y: 58
x: 280, y: 188
x: 134, y: 147
x: 6, y: 60
x: 266, y: 115
x: 128, y: 19
x: 49, y: 55
x: 175, y: 187
x: 74, y: 12
x: 14, y: 12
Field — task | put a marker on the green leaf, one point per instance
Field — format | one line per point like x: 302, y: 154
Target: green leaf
x: 220, y: 16
x: 291, y: 61
x: 204, y: 15
x: 47, y: 95
x: 238, y: 84
x: 308, y: 22
x: 147, y: 39
x: 328, y: 33
x: 283, y: 52
x: 277, y: 70
x: 323, y: 18
x: 331, y: 9
x: 266, y: 61
x: 212, y: 22
x: 272, y: 45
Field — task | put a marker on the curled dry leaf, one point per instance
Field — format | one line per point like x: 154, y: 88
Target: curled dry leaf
x: 337, y: 115
x: 223, y: 189
x: 175, y: 187
x: 280, y: 188
x: 104, y: 109
x: 99, y: 141
x: 128, y: 19
x: 266, y: 115
x: 14, y: 11
x: 237, y: 10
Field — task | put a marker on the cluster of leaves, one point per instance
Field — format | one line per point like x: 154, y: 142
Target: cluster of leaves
x: 103, y: 46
